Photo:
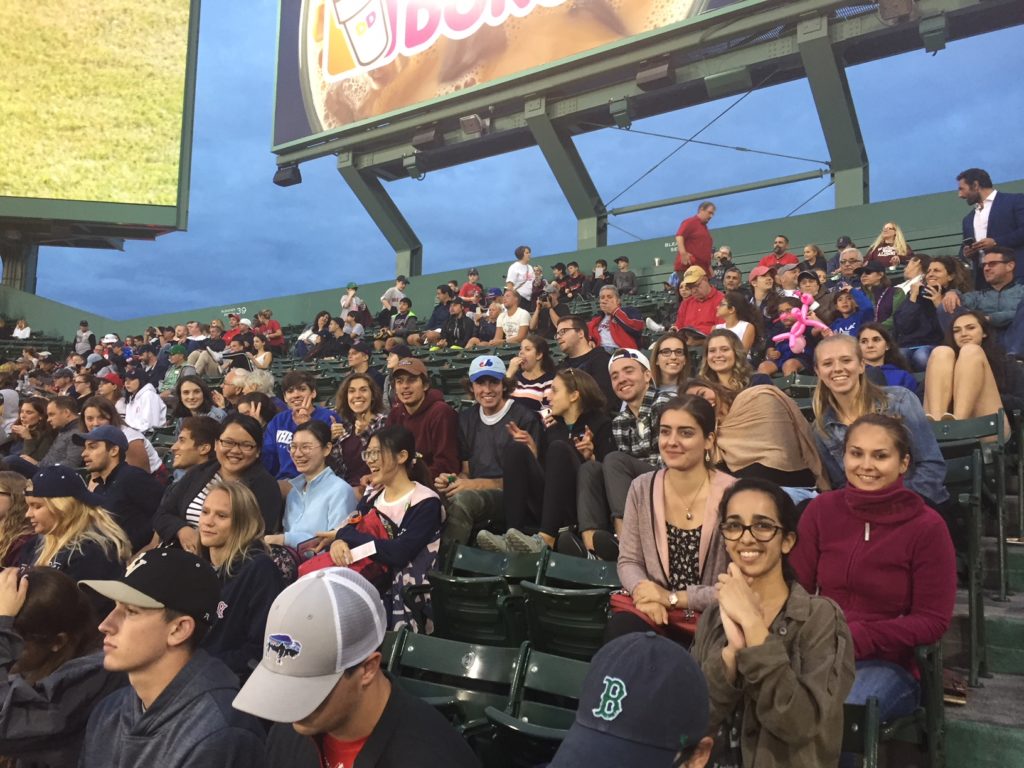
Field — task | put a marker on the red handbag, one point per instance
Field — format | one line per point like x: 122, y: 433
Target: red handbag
x: 374, y: 572
x: 682, y: 622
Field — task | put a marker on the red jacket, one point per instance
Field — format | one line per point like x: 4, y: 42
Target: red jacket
x: 702, y: 315
x: 626, y: 328
x: 435, y: 428
x: 887, y: 559
x: 773, y: 261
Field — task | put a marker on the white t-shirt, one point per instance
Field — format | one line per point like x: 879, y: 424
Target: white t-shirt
x: 521, y: 277
x: 738, y: 330
x: 604, y: 329
x: 22, y: 333
x: 393, y: 295
x: 510, y: 324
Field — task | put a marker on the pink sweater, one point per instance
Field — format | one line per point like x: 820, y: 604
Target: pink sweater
x: 643, y: 544
x: 887, y: 559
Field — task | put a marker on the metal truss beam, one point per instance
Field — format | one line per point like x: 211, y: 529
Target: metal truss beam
x: 571, y: 174
x: 385, y: 214
x: 836, y: 111
x: 20, y: 261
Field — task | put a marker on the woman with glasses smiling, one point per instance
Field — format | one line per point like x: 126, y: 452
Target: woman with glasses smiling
x: 778, y: 661
x: 671, y: 366
x: 401, y: 516
x: 319, y: 500
x: 237, y: 458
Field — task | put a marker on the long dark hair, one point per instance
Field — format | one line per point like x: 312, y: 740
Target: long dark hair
x: 55, y: 607
x: 250, y: 425
x: 994, y: 352
x: 181, y: 410
x: 105, y: 407
x: 697, y: 407
x: 547, y: 363
x: 396, y: 439
x: 893, y: 356
x: 789, y: 517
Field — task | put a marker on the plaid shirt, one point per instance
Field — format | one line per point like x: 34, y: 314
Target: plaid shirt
x: 635, y: 434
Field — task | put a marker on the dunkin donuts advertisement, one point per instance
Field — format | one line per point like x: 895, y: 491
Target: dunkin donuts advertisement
x: 345, y: 61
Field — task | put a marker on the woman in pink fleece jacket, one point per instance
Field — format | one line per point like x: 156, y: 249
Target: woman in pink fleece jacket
x: 885, y: 557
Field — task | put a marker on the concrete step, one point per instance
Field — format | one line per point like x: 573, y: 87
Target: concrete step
x: 1004, y: 627
x: 1014, y: 563
x: 987, y: 732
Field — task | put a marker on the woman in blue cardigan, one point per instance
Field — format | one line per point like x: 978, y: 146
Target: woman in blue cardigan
x: 319, y: 500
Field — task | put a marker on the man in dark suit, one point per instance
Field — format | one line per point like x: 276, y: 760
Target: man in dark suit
x: 997, y: 220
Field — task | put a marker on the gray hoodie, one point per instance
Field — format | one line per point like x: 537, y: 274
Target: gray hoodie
x: 190, y: 724
x: 42, y: 724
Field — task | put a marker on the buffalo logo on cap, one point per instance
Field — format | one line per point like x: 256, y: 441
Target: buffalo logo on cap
x: 284, y: 646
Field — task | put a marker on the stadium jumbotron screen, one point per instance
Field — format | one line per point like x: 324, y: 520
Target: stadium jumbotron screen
x: 341, y: 62
x: 93, y: 101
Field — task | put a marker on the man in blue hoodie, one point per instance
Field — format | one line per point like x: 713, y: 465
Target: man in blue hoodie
x: 299, y: 390
x: 177, y: 709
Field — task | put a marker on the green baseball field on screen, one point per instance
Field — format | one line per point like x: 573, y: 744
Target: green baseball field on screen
x: 91, y: 99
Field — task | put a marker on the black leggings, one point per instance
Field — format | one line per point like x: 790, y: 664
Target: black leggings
x: 540, y: 498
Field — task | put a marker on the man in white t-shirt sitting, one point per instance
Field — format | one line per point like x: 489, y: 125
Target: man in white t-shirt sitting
x: 513, y: 324
x: 520, y: 277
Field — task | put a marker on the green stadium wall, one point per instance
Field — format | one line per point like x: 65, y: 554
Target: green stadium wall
x: 930, y: 222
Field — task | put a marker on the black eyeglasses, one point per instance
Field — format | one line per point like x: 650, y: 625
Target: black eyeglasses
x: 991, y: 263
x: 761, y: 531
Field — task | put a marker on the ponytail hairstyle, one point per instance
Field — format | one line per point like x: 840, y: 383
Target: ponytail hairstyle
x: 395, y: 440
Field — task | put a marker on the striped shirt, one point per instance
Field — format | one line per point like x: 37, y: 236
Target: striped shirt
x: 533, y: 393
x: 195, y: 507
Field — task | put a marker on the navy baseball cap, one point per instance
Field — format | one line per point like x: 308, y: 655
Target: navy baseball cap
x: 57, y: 482
x: 629, y: 678
x: 106, y: 433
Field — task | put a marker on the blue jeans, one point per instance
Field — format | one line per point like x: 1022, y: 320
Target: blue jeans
x: 897, y: 691
x: 800, y: 494
x: 917, y: 357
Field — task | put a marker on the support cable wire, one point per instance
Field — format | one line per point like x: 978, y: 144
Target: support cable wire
x: 707, y: 125
x: 622, y: 229
x: 805, y: 202
x: 764, y: 152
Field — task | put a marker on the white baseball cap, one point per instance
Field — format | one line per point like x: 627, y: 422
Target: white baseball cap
x: 324, y: 623
x: 624, y: 353
x: 487, y: 365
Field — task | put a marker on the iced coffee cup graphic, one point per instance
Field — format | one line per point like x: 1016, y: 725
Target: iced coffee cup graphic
x: 365, y: 23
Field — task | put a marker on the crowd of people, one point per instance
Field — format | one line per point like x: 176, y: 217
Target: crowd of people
x: 171, y: 611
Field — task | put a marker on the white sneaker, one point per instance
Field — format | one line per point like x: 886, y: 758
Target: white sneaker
x: 653, y: 326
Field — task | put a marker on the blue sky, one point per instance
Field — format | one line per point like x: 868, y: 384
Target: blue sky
x: 924, y: 118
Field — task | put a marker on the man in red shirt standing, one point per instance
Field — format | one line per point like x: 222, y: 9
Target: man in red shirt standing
x: 693, y: 240
x: 780, y: 254
x: 698, y: 312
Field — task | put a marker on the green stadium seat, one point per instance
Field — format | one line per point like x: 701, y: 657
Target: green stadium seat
x: 538, y: 716
x: 460, y: 679
x: 567, y: 607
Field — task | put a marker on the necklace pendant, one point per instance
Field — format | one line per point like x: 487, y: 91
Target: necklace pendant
x: 689, y: 516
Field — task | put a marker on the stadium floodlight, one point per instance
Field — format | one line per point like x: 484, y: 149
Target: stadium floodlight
x: 621, y: 113
x: 288, y: 175
x: 411, y: 164
x: 659, y: 75
x: 427, y: 138
x: 893, y: 12
x: 474, y: 125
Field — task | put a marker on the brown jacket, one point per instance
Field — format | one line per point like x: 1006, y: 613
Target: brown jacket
x: 790, y: 689
x: 643, y: 543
